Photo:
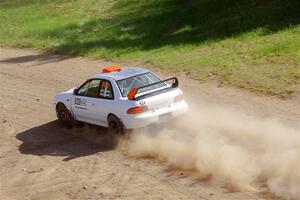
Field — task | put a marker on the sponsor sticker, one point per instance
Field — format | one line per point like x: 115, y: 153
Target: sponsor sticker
x: 80, y: 102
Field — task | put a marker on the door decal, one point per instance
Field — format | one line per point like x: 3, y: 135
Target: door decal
x: 80, y: 102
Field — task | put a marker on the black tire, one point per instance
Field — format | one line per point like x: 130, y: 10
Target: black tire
x: 63, y: 115
x: 115, y: 126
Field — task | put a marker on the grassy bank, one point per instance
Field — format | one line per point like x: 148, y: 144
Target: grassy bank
x: 250, y: 44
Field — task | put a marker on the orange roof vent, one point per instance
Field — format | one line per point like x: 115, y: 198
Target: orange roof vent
x: 111, y: 69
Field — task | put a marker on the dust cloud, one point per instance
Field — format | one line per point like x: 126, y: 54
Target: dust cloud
x: 227, y: 148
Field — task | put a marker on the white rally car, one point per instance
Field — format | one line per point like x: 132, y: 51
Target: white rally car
x: 121, y: 98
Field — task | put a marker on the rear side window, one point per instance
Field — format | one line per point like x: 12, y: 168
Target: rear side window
x: 106, y: 91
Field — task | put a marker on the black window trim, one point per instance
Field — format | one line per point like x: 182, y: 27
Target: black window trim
x: 98, y: 96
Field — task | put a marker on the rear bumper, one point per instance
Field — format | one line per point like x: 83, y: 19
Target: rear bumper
x: 151, y: 117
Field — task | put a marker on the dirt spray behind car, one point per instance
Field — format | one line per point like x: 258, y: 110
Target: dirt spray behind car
x: 227, y: 148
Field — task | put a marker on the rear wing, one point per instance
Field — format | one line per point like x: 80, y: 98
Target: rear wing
x: 132, y: 94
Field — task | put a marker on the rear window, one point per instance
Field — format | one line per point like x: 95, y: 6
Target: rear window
x: 126, y: 85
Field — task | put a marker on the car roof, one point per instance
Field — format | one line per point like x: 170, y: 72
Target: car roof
x: 122, y: 74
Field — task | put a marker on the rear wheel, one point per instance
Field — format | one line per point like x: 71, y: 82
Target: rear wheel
x: 115, y: 126
x: 63, y: 115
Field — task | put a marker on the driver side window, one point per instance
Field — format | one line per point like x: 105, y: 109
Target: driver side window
x: 97, y: 89
x: 93, y: 89
x: 83, y: 90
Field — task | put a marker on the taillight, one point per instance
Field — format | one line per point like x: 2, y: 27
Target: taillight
x: 136, y: 110
x: 178, y: 98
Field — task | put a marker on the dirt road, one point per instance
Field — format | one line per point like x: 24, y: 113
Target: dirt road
x: 41, y: 160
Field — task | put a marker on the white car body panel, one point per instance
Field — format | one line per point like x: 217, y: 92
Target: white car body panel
x: 96, y: 110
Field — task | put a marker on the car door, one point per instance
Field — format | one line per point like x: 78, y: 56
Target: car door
x: 105, y: 102
x: 83, y: 104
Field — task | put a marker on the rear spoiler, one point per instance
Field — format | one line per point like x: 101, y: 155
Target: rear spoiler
x: 131, y: 95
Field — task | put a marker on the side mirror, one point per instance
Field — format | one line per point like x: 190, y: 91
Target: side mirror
x: 75, y: 91
x: 175, y: 83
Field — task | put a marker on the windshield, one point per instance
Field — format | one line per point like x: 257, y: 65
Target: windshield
x: 126, y: 85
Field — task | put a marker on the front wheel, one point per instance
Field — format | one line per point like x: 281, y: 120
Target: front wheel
x: 64, y: 116
x: 115, y: 126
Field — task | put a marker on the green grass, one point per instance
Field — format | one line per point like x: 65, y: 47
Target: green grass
x: 254, y: 44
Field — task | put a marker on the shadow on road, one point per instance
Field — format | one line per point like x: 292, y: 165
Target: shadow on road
x: 44, y: 58
x: 54, y: 140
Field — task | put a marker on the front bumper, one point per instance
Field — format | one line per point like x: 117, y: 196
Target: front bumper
x: 155, y: 116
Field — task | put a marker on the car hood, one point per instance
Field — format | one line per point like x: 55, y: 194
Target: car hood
x: 65, y: 94
x: 70, y: 91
